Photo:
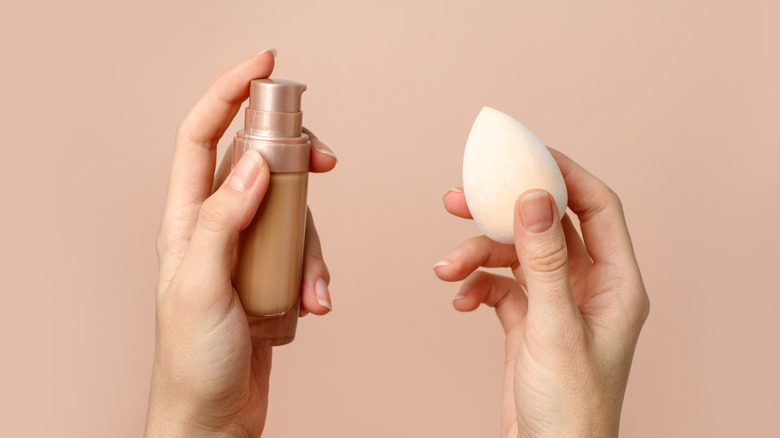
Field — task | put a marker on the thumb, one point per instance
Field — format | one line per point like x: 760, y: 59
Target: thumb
x: 226, y: 212
x: 541, y: 249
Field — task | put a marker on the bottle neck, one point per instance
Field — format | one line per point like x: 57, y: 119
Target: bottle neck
x: 273, y: 125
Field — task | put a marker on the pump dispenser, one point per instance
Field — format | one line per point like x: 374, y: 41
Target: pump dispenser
x: 268, y: 264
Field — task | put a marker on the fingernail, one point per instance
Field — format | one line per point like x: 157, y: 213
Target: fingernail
x: 459, y: 296
x: 536, y: 213
x: 322, y: 294
x: 322, y: 148
x: 272, y: 51
x: 454, y: 189
x: 244, y: 174
x: 441, y: 263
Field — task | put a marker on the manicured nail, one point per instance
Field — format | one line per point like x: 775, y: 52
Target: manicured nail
x: 459, y: 296
x: 244, y: 174
x: 272, y: 51
x: 441, y: 263
x: 322, y: 294
x: 322, y: 148
x: 454, y: 189
x: 536, y: 213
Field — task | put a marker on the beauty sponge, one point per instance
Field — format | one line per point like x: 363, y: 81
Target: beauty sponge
x: 502, y: 160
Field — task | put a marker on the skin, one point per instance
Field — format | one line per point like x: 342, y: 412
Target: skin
x: 208, y: 379
x: 572, y: 310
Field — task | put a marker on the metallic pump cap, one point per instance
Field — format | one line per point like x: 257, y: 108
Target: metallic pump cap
x: 273, y: 125
x: 276, y: 95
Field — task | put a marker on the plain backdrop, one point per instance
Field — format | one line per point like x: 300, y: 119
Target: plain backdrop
x: 673, y: 104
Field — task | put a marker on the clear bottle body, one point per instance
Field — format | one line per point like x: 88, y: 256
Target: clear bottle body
x: 268, y: 266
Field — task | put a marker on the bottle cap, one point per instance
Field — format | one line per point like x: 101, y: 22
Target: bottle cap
x: 276, y: 95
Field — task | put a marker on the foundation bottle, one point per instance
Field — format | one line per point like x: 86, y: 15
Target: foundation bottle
x: 268, y: 265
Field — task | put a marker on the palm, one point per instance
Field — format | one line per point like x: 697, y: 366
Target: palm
x: 248, y: 377
x: 239, y: 370
x: 524, y: 373
x: 233, y: 373
x: 529, y: 373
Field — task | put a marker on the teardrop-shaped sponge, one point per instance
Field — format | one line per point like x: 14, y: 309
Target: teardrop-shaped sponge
x: 502, y: 160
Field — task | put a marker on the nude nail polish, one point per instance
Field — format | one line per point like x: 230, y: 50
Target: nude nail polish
x: 268, y: 265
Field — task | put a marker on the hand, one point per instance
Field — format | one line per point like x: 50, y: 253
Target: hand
x: 572, y: 313
x: 208, y: 378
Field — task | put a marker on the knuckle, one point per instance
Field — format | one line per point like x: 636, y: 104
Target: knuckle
x: 167, y: 241
x: 614, y: 199
x: 181, y: 132
x: 604, y: 199
x: 642, y: 311
x: 315, y: 264
x: 548, y: 258
x: 161, y: 248
x: 315, y: 258
x: 473, y: 245
x: 213, y: 216
x: 477, y: 280
x: 480, y: 277
x: 636, y: 301
x: 160, y: 245
x: 184, y: 133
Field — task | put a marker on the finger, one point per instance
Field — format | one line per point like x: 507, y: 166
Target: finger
x: 542, y: 252
x: 224, y: 168
x: 322, y: 158
x: 579, y: 260
x: 600, y: 214
x: 194, y: 157
x: 497, y: 291
x: 473, y: 253
x: 199, y: 133
x: 315, y: 296
x: 455, y: 203
x: 229, y: 210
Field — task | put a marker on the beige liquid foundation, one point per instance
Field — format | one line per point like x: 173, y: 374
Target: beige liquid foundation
x: 268, y: 265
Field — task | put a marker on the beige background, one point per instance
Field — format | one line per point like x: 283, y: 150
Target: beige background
x: 674, y: 104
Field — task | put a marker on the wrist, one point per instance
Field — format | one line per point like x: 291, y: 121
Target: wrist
x: 175, y: 414
x: 163, y: 422
x: 154, y: 430
x: 582, y: 419
x: 593, y: 428
x: 582, y: 429
x: 595, y: 420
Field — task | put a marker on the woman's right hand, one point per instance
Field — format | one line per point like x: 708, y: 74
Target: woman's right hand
x: 209, y: 378
x: 572, y: 313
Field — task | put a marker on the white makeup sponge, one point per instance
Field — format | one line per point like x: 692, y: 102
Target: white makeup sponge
x: 503, y: 159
